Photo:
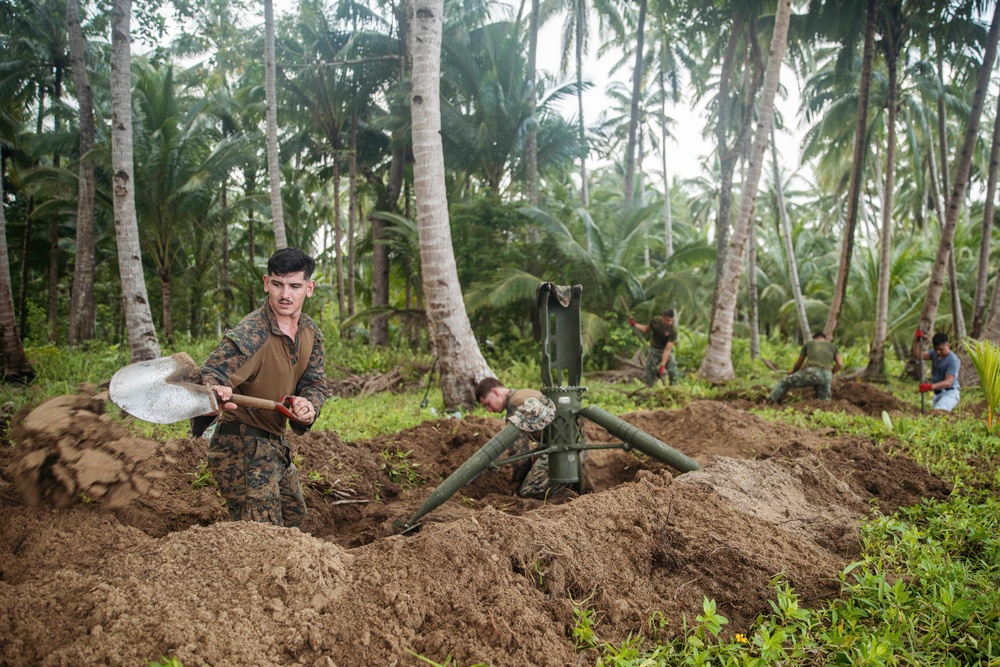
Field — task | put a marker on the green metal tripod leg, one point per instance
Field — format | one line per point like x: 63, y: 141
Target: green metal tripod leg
x: 641, y: 440
x: 465, y: 473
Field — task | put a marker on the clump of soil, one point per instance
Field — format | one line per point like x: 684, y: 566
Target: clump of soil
x: 853, y: 397
x: 72, y: 451
x: 490, y: 577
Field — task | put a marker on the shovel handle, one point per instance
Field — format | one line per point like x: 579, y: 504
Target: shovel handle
x: 265, y: 404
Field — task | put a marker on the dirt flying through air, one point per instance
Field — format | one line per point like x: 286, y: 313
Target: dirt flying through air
x: 142, y: 572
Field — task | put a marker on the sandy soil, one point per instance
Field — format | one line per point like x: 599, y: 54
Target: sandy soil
x: 490, y: 577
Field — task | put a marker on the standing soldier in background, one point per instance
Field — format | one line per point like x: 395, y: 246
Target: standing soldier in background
x: 945, y: 366
x: 821, y: 359
x: 275, y: 351
x: 661, y: 359
x: 530, y: 411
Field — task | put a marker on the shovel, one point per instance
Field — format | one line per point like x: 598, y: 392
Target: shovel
x: 169, y: 389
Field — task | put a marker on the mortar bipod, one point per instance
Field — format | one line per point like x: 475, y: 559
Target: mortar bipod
x: 563, y: 439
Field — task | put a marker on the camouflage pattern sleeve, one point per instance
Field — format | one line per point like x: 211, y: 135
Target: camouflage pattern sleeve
x: 222, y: 363
x: 312, y: 385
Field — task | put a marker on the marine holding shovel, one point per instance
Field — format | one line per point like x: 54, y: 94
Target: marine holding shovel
x: 274, y: 351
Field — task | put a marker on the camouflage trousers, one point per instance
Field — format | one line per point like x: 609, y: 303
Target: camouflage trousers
x: 257, y: 479
x: 810, y: 376
x: 653, y: 367
x: 531, y: 476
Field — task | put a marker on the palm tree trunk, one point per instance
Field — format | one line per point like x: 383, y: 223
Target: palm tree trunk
x: 875, y: 370
x: 580, y: 8
x: 668, y: 222
x: 857, y: 173
x: 273, y: 167
x: 14, y: 364
x: 460, y: 361
x: 82, y: 312
x: 752, y: 290
x: 929, y: 312
x: 786, y: 237
x: 142, y: 341
x: 352, y: 211
x: 531, y: 142
x: 633, y: 123
x: 982, y: 276
x: 338, y: 235
x: 718, y: 363
x: 727, y: 158
x: 379, y: 324
x: 53, y: 310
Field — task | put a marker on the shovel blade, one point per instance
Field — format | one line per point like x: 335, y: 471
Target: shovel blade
x: 162, y: 391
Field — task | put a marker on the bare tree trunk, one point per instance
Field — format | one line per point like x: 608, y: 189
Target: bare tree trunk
x: 633, y: 124
x: 727, y: 157
x: 379, y: 324
x: 989, y: 207
x: 580, y: 8
x: 718, y: 363
x: 142, y: 340
x: 14, y: 364
x: 752, y: 290
x: 857, y: 173
x: 668, y: 222
x: 875, y: 370
x: 460, y: 361
x: 352, y: 212
x: 82, y: 312
x: 929, y: 312
x: 531, y: 142
x: 53, y: 310
x: 786, y: 236
x: 273, y: 166
x: 338, y: 235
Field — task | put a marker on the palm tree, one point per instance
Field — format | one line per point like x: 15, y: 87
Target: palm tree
x: 786, y: 235
x: 929, y: 311
x: 142, y: 340
x: 633, y: 125
x: 14, y: 364
x: 982, y: 275
x: 273, y: 168
x: 894, y: 36
x: 462, y: 364
x: 718, y: 364
x: 858, y: 162
x: 82, y: 311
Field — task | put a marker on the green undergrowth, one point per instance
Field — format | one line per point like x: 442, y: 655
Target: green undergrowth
x: 925, y: 590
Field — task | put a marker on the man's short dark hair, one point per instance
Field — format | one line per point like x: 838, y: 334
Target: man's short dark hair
x: 485, y: 386
x: 819, y: 334
x: 939, y: 339
x: 669, y: 312
x: 290, y: 260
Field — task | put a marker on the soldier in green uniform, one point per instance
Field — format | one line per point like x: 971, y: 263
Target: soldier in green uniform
x: 661, y: 359
x: 273, y: 352
x: 821, y: 359
x: 530, y: 411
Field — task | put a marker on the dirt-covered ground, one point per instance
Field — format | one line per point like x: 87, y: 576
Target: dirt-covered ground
x: 490, y: 577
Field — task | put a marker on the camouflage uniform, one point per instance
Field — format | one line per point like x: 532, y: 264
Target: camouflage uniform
x: 660, y: 337
x: 248, y: 456
x: 531, y: 412
x: 817, y: 373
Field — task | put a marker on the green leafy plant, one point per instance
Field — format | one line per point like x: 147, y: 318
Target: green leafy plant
x: 172, y: 661
x: 986, y: 358
x: 400, y: 469
x: 202, y: 476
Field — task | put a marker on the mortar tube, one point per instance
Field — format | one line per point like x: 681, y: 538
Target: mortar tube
x: 466, y: 472
x: 639, y: 439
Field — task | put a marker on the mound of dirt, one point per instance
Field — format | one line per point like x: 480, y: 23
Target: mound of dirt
x: 490, y: 578
x: 72, y: 451
x: 853, y: 397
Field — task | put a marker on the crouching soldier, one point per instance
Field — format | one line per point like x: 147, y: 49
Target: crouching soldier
x: 530, y: 411
x: 821, y: 359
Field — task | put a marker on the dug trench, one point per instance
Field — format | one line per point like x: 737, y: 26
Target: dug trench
x: 490, y: 578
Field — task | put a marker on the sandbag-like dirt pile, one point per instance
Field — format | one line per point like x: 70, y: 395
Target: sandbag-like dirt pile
x: 490, y: 578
